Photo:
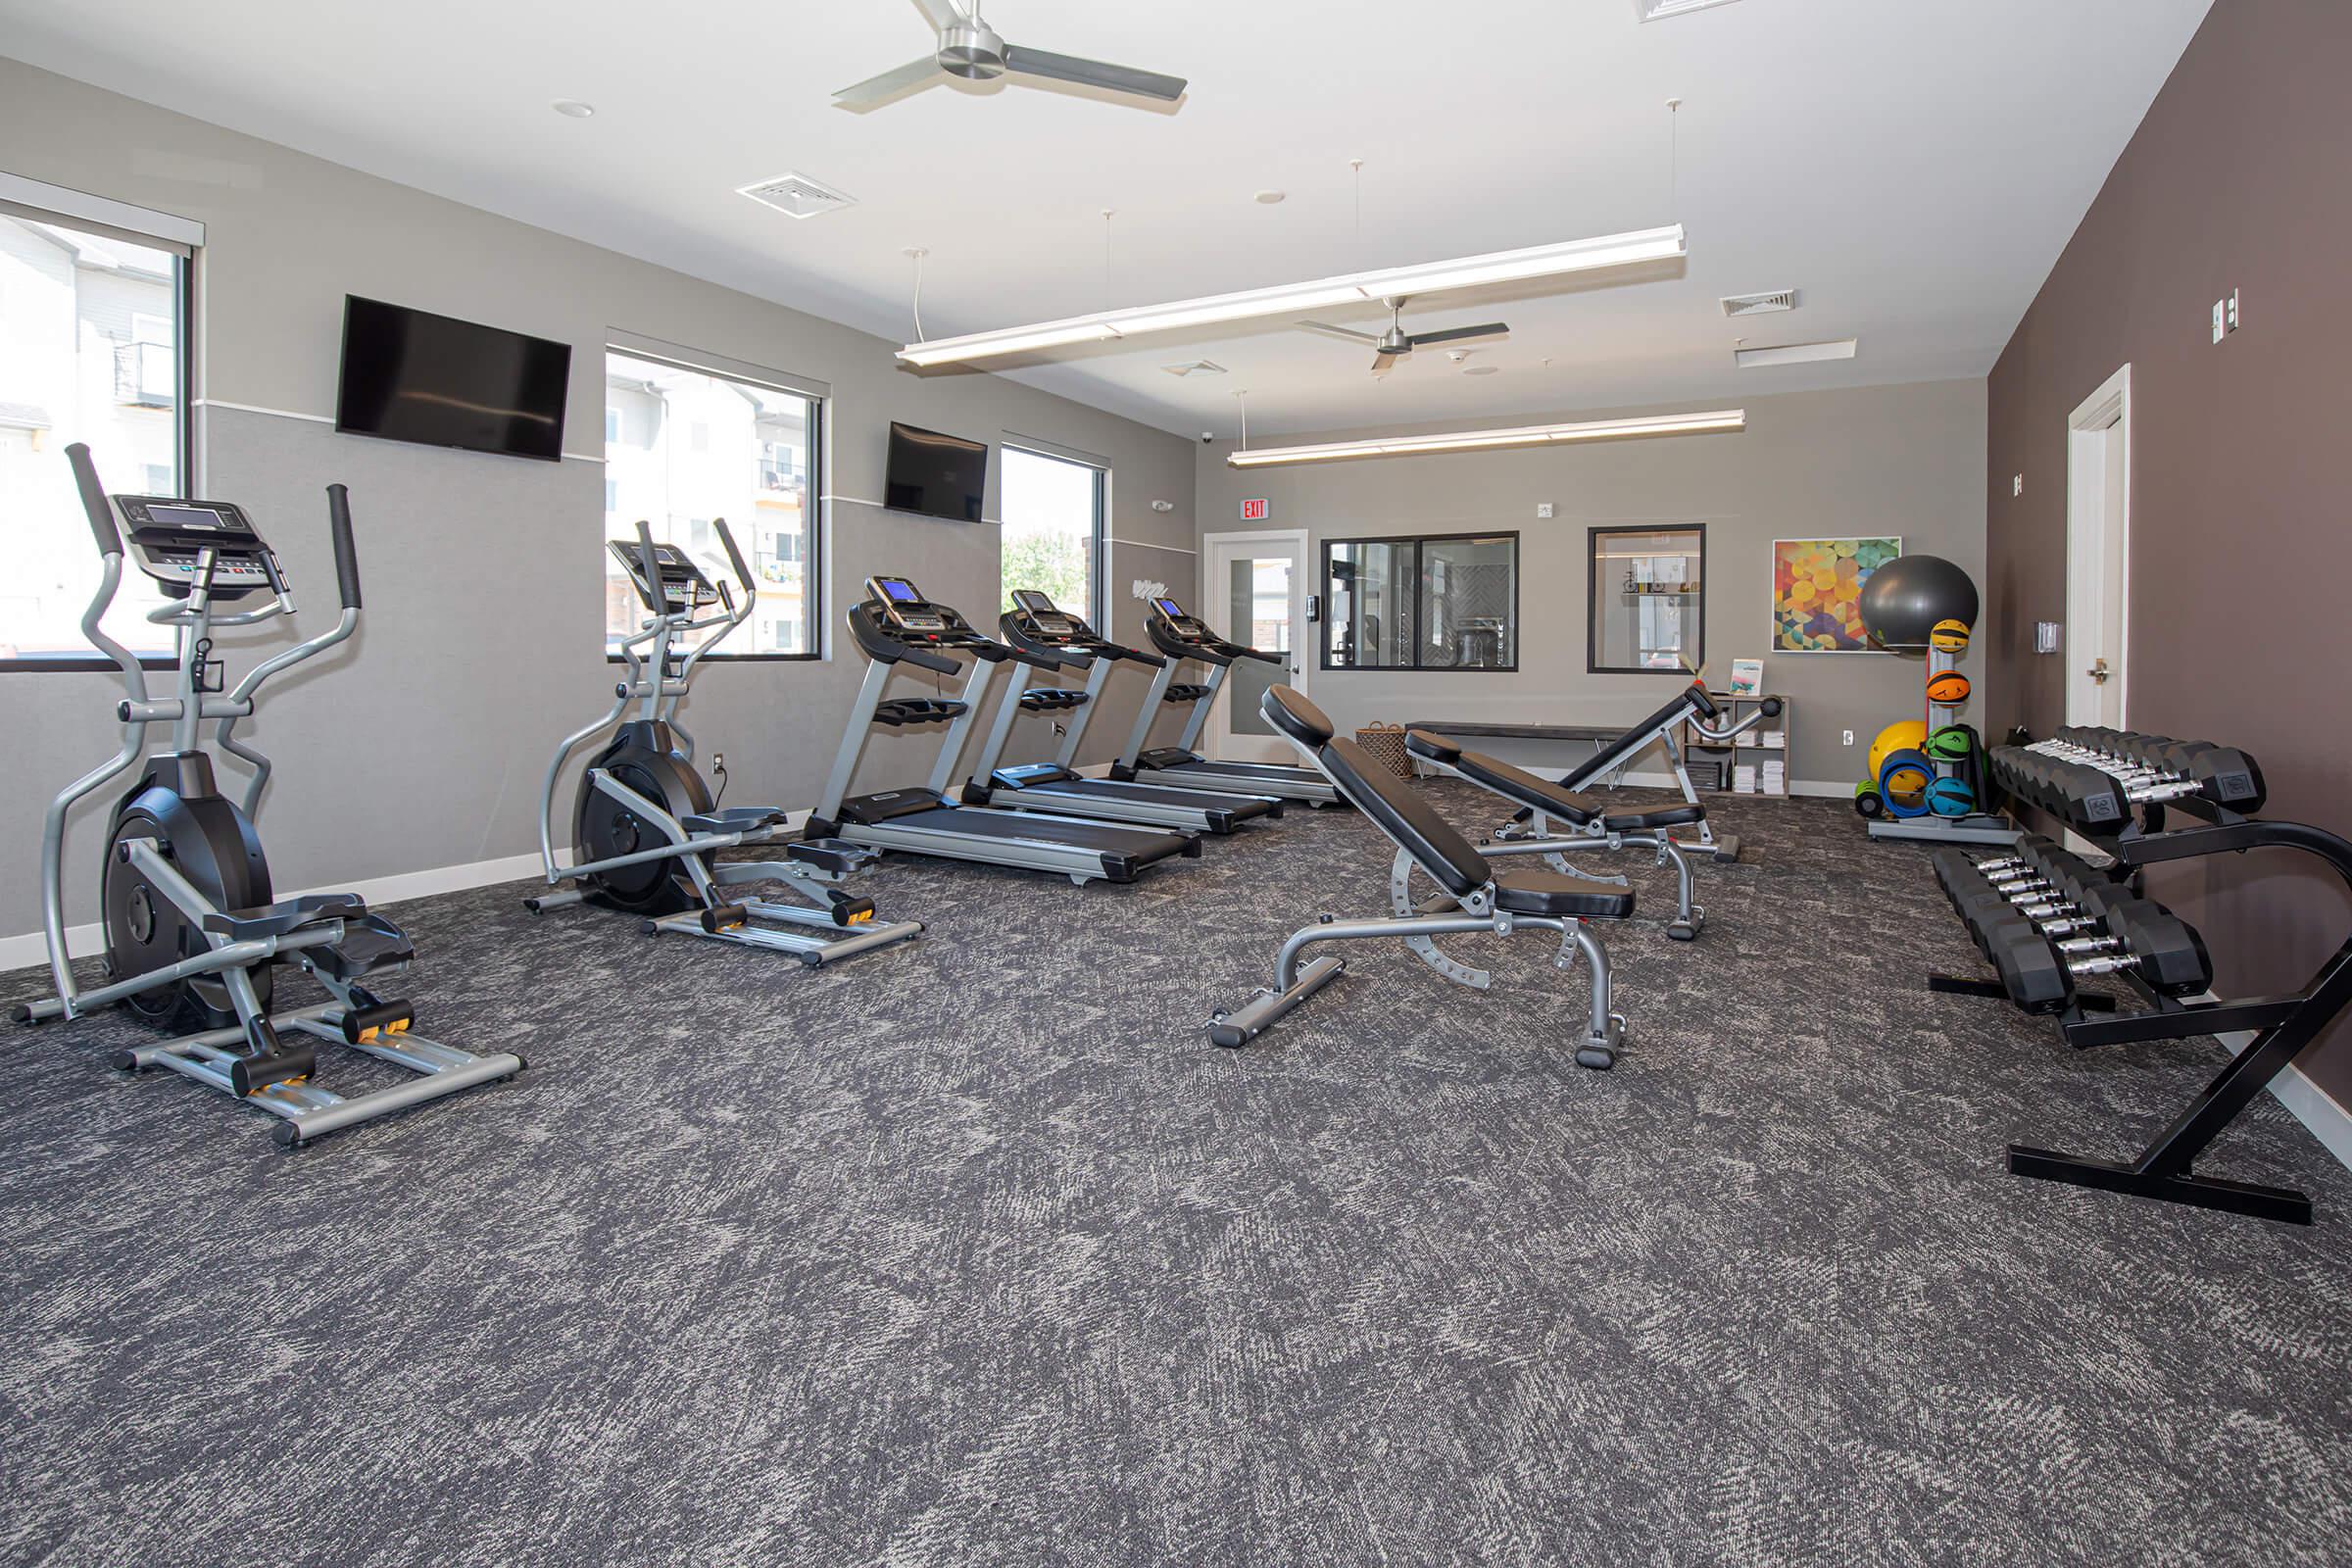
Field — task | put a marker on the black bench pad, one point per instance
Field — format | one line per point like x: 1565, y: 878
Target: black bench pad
x: 1656, y: 816
x: 1528, y: 788
x: 1529, y: 889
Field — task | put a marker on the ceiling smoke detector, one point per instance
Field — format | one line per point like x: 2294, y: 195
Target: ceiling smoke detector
x: 796, y: 195
x: 1778, y: 298
x: 1195, y: 368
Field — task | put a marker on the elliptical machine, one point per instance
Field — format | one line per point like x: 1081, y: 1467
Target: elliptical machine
x: 645, y: 829
x: 192, y: 936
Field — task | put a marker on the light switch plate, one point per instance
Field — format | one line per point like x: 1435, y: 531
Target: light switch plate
x: 2218, y: 307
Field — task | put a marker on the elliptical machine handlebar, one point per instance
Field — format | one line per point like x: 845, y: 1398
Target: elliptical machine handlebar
x: 94, y: 503
x: 346, y: 559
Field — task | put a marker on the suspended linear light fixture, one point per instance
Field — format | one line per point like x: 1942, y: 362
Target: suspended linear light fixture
x: 1721, y: 421
x: 1425, y: 277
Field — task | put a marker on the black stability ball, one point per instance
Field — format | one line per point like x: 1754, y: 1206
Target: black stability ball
x: 1907, y: 595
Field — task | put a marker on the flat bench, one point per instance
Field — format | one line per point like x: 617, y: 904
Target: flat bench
x: 1597, y: 736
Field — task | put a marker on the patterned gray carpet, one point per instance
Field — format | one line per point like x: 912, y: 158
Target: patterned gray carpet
x: 973, y: 1252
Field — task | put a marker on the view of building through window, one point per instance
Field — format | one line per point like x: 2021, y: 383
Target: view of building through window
x: 684, y: 448
x: 89, y: 350
x: 1053, y: 531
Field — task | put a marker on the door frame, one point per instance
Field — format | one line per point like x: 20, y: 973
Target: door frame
x: 2099, y: 419
x: 1220, y: 730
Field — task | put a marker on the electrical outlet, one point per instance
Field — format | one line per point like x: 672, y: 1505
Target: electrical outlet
x: 2017, y: 484
x: 1849, y: 737
x: 718, y: 762
x: 1542, y: 509
x: 2231, y: 303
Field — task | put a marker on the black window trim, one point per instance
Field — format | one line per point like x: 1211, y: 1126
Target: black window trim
x: 1417, y: 541
x: 1097, y: 587
x: 1592, y: 538
x: 184, y: 444
x: 819, y: 416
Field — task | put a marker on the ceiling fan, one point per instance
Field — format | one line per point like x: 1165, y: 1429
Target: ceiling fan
x: 1396, y: 343
x: 972, y: 49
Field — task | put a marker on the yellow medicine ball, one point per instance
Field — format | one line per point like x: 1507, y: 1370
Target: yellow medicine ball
x: 1948, y: 636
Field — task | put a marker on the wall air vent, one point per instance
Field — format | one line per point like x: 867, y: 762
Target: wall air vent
x: 1778, y: 298
x: 1195, y: 368
x: 797, y: 196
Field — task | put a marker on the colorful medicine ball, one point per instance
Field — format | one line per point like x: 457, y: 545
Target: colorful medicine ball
x: 1947, y: 688
x: 1948, y: 636
x: 1951, y: 796
x: 1954, y: 743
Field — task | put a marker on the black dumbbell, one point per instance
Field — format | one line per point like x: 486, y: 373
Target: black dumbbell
x: 2055, y: 918
x: 2222, y: 774
x: 2141, y: 936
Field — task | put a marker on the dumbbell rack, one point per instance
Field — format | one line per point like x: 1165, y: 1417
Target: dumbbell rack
x: 2132, y: 817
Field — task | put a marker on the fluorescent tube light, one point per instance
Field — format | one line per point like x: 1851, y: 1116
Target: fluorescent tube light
x: 1721, y: 421
x: 1795, y: 353
x: 1425, y: 277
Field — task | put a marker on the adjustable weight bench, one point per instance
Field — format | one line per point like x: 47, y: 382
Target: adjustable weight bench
x: 1583, y: 824
x: 1692, y: 705
x: 1472, y: 895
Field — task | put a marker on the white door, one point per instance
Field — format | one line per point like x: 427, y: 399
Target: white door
x: 1253, y: 591
x: 2098, y: 514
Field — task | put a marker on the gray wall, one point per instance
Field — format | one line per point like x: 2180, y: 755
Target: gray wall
x: 1894, y: 460
x: 422, y: 744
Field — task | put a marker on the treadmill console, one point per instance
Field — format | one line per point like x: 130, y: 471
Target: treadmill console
x: 1184, y: 626
x: 683, y: 586
x: 904, y: 608
x: 169, y: 537
x: 1045, y: 622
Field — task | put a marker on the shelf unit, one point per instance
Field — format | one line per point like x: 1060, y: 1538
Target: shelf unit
x: 1710, y: 756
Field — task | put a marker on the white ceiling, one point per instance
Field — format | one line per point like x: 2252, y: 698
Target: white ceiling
x: 1914, y: 166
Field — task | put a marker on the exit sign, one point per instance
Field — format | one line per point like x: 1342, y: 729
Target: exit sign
x: 1254, y: 511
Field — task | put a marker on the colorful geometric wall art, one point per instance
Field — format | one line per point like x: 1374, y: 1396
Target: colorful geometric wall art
x: 1817, y: 592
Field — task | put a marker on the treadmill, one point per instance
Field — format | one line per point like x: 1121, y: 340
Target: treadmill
x: 1180, y: 637
x: 895, y: 625
x: 1050, y: 639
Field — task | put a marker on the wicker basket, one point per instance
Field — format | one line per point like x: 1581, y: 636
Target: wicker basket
x: 1386, y: 742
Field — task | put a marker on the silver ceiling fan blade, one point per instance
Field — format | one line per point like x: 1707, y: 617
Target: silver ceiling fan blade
x: 1385, y: 360
x: 1093, y: 73
x: 1462, y: 334
x: 940, y: 14
x: 875, y: 91
x: 1345, y: 334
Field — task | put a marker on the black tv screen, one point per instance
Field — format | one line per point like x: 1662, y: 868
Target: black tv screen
x: 939, y: 476
x: 410, y: 376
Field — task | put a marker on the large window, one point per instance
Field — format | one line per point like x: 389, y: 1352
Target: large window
x: 685, y: 447
x: 1053, y: 516
x: 1440, y: 602
x: 1649, y: 601
x: 93, y: 348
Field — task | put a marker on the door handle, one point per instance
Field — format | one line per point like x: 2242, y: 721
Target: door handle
x: 2098, y: 671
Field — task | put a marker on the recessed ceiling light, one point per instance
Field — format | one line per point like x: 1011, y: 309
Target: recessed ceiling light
x: 1797, y: 353
x: 573, y: 108
x: 1268, y: 198
x: 1660, y: 9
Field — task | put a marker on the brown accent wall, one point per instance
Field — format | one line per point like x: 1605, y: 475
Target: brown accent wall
x: 2240, y: 568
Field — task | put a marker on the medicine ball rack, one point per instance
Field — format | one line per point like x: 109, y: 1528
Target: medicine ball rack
x: 2119, y: 787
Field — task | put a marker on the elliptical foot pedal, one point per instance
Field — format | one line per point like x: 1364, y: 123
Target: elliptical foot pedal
x: 837, y: 855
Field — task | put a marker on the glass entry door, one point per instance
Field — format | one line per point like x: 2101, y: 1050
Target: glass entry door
x: 1254, y: 592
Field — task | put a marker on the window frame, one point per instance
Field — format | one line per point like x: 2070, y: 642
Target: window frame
x: 184, y: 258
x: 1420, y: 584
x: 819, y: 398
x: 1594, y: 535
x: 1098, y: 602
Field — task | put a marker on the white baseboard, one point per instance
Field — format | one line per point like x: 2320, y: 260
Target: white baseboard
x: 2317, y: 1109
x: 20, y: 952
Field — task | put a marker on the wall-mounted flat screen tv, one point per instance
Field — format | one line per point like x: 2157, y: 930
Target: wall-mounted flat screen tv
x: 938, y: 475
x: 410, y: 376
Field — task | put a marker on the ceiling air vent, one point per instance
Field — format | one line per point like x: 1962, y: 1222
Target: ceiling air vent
x: 1195, y: 368
x: 797, y: 196
x: 1778, y: 298
x: 1660, y: 9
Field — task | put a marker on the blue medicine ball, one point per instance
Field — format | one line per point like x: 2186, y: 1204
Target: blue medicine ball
x: 1951, y: 796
